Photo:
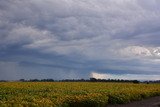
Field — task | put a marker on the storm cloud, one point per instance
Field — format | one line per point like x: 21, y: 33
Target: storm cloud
x: 62, y: 39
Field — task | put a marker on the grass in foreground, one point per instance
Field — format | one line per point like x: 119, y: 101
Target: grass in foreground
x: 72, y: 94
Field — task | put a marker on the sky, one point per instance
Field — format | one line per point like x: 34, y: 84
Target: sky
x: 74, y: 39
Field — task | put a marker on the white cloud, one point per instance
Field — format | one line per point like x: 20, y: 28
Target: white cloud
x: 98, y: 75
x: 139, y: 51
x: 125, y: 76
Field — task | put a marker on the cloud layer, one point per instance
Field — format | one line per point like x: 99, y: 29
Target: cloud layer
x: 76, y: 37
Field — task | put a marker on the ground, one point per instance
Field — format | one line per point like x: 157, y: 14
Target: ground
x: 150, y: 102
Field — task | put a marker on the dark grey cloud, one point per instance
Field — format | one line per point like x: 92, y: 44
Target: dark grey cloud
x: 79, y: 37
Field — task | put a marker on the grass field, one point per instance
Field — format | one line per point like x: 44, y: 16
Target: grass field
x: 72, y: 94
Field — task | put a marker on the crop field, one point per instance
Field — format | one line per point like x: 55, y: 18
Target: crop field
x: 72, y: 94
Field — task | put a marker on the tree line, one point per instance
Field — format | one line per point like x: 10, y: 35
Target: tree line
x: 79, y: 80
x: 86, y: 80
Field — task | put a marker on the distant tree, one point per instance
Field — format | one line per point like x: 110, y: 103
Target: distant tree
x: 34, y: 80
x: 22, y: 80
x: 47, y: 80
x: 3, y: 80
x: 136, y: 81
x: 93, y: 79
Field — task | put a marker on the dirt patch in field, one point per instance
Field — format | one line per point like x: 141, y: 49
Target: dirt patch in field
x: 150, y: 102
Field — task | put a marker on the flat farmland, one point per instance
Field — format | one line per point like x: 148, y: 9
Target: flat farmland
x: 73, y: 94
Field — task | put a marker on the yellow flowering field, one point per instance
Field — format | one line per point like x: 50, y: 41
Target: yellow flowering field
x: 72, y: 94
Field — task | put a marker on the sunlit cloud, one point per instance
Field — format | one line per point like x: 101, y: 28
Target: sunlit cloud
x: 124, y: 76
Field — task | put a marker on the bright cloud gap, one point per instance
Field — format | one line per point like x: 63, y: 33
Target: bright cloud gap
x: 124, y: 76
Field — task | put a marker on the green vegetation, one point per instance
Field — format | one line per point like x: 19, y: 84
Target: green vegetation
x: 72, y: 94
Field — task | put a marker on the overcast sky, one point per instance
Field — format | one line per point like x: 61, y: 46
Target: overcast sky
x: 73, y: 39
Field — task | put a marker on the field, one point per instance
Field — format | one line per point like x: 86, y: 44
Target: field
x: 72, y: 94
